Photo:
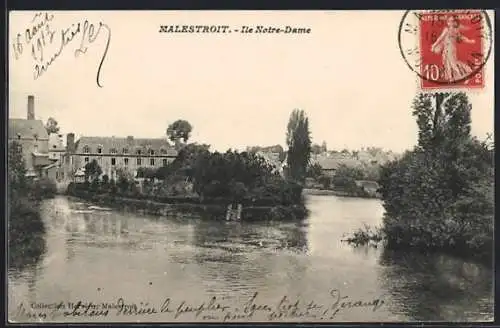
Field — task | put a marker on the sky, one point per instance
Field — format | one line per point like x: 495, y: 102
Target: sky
x: 236, y: 89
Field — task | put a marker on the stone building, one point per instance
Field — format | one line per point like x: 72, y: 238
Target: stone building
x: 114, y: 153
x: 57, y: 152
x: 31, y: 134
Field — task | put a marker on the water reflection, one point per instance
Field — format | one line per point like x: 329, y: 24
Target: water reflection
x: 436, y: 287
x: 98, y: 254
x: 25, y: 255
x: 26, y: 236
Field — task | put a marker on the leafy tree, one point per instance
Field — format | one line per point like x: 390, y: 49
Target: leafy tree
x: 439, y: 195
x: 92, y: 170
x: 125, y: 179
x: 16, y: 170
x: 179, y: 130
x: 316, y: 149
x: 298, y: 139
x: 52, y: 126
x: 146, y: 173
x: 186, y: 159
x: 105, y: 179
x: 324, y: 149
x: 314, y: 171
x: 238, y: 176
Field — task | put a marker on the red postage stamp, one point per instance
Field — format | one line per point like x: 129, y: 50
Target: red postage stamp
x: 451, y: 49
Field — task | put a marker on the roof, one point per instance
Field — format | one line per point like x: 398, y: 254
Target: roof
x: 132, y: 144
x: 27, y: 129
x: 333, y: 163
x: 271, y: 158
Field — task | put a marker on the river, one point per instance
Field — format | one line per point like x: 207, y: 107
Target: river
x: 174, y: 264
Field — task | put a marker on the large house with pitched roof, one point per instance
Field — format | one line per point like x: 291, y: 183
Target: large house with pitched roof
x: 31, y: 134
x: 114, y: 153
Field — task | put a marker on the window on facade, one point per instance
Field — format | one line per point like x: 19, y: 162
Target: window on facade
x: 152, y: 161
x: 113, y: 151
x: 113, y: 161
x: 36, y: 148
x: 125, y: 150
x: 86, y: 149
x: 165, y: 162
x: 151, y: 152
x: 86, y: 159
x: 125, y: 161
x: 139, y: 162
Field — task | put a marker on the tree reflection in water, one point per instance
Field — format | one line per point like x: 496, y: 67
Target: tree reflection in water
x: 240, y: 256
x: 26, y: 235
x: 26, y: 254
x: 437, y: 287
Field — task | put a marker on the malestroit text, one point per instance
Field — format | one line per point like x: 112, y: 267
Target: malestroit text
x: 259, y: 29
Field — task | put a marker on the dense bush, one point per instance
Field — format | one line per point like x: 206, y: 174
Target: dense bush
x: 440, y: 195
x: 24, y: 226
x: 42, y: 188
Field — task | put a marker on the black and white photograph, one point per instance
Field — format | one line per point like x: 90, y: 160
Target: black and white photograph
x: 250, y: 166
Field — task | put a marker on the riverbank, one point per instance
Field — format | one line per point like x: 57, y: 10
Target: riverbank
x: 338, y: 193
x: 213, y: 209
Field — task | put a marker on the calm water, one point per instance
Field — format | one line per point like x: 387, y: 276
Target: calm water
x: 97, y: 255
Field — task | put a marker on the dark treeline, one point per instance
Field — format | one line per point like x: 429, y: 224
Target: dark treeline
x: 206, y: 177
x: 25, y: 226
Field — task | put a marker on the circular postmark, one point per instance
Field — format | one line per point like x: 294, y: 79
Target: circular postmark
x: 446, y: 47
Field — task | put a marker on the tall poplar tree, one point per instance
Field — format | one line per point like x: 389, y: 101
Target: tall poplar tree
x: 298, y: 139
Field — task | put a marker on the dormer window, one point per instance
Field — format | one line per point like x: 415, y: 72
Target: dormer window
x: 138, y: 152
x: 36, y: 137
x: 125, y: 150
x: 113, y: 151
x: 86, y: 149
x: 99, y: 149
x: 18, y: 136
x: 163, y: 151
x: 151, y: 152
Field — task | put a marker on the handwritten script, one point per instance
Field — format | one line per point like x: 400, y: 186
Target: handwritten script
x: 213, y: 309
x: 46, y: 43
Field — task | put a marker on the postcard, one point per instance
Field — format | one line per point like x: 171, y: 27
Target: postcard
x: 250, y: 166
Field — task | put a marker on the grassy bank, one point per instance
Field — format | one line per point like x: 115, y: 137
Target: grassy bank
x: 214, y: 208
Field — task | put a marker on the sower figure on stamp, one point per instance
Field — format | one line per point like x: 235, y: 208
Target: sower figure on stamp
x: 446, y: 43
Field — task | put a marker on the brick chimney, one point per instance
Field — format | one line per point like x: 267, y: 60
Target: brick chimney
x: 31, y: 107
x: 70, y: 143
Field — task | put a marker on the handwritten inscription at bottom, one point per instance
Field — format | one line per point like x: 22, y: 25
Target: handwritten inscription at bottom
x: 213, y: 309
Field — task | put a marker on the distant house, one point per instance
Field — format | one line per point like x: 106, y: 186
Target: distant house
x: 32, y: 136
x: 57, y: 152
x: 330, y: 163
x: 114, y: 153
x: 272, y: 159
